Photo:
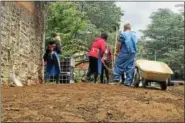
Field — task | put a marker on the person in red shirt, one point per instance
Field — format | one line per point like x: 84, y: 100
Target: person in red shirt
x: 106, y: 59
x: 95, y: 55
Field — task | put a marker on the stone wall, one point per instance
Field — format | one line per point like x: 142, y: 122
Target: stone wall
x: 28, y: 5
x: 21, y: 42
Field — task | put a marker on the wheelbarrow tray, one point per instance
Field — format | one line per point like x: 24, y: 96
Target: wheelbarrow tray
x: 154, y: 70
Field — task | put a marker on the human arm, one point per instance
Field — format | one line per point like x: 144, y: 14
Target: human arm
x: 45, y: 57
x: 43, y: 62
x: 118, y: 47
x: 110, y: 53
x: 119, y: 43
x: 58, y: 48
x: 102, y: 47
x: 134, y: 37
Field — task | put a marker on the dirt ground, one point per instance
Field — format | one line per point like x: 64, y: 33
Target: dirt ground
x: 92, y: 103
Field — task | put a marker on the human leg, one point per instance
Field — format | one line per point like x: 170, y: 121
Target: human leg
x: 89, y: 72
x: 107, y: 71
x: 102, y: 75
x: 130, y: 71
x: 57, y: 78
x: 93, y: 68
x: 119, y: 67
x: 123, y: 78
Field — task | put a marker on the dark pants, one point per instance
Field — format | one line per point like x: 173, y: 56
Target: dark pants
x: 53, y: 66
x: 106, y: 72
x: 123, y: 78
x: 93, y: 68
x: 57, y: 77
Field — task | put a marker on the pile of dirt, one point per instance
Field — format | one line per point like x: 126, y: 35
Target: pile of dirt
x: 91, y: 103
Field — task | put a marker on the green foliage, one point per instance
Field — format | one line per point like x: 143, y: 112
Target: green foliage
x: 105, y: 15
x: 78, y: 23
x: 77, y: 77
x: 140, y: 48
x: 78, y: 26
x: 166, y: 35
x: 66, y: 19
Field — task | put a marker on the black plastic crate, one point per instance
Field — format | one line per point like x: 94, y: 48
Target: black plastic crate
x: 67, y: 71
x: 67, y: 65
x: 66, y: 79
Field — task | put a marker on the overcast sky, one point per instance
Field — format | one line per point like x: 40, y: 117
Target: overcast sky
x: 137, y: 13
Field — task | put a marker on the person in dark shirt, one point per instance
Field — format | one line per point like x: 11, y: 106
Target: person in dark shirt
x: 106, y: 60
x: 52, y: 60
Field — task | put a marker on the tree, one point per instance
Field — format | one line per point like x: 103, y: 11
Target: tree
x: 65, y: 18
x: 104, y: 15
x: 166, y: 34
x: 80, y: 22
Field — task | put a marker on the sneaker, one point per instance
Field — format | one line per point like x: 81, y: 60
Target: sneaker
x: 122, y: 83
x: 125, y: 84
x: 114, y: 82
x: 84, y: 79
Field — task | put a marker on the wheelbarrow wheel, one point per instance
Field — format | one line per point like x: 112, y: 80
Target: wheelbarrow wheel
x: 136, y: 78
x: 85, y: 79
x: 144, y: 83
x: 163, y: 85
x: 169, y: 82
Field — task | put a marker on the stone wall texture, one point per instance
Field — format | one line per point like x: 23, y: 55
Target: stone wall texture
x: 21, y: 41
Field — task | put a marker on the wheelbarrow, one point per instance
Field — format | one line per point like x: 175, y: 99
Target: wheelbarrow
x: 152, y: 71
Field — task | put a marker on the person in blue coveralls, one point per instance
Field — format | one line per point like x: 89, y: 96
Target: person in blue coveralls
x: 126, y: 52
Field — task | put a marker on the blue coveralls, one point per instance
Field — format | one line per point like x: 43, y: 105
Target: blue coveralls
x: 125, y: 60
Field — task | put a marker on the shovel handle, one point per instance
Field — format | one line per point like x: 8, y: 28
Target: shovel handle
x: 106, y: 66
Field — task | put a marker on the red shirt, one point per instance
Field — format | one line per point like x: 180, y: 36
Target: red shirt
x: 98, y: 45
x: 109, y: 57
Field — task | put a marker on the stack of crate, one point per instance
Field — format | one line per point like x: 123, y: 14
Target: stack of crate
x: 67, y: 65
x: 67, y: 70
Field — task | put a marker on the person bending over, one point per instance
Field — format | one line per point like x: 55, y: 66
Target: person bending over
x: 95, y: 55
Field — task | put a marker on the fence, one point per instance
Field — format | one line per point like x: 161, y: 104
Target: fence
x: 80, y: 71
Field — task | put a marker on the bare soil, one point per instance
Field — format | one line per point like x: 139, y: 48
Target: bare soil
x: 91, y: 103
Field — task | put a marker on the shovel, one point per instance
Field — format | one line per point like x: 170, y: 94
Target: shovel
x: 110, y: 70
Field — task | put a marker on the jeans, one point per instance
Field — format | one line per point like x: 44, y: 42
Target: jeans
x: 124, y: 64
